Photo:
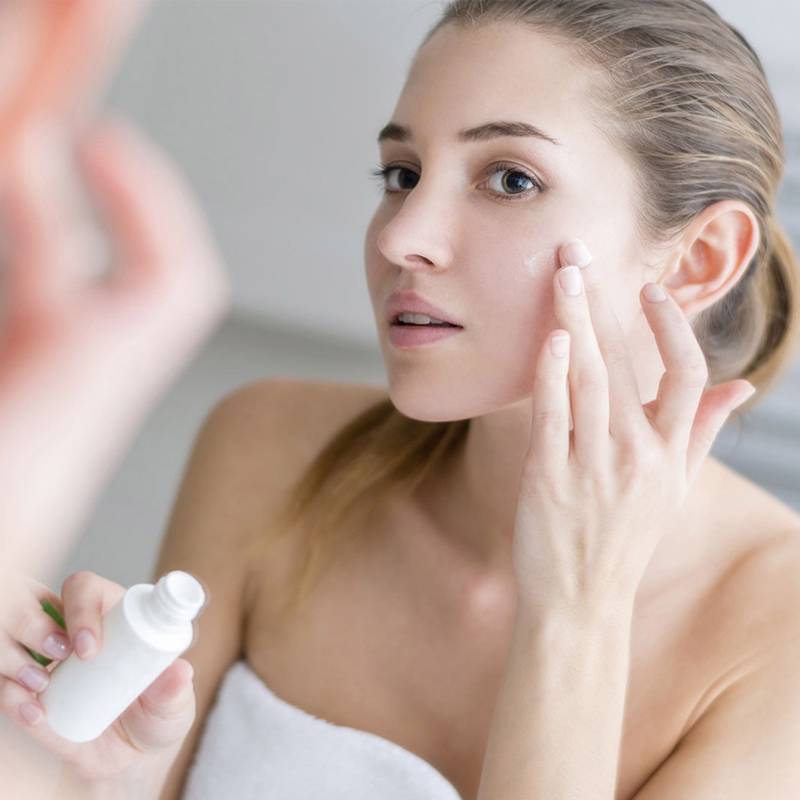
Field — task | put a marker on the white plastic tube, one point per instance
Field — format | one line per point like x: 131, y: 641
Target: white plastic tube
x: 143, y: 634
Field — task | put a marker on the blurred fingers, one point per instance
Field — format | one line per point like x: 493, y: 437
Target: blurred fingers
x: 41, y: 213
x: 162, y: 236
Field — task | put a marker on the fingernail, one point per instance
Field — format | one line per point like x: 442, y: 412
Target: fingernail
x: 654, y: 293
x: 33, y: 679
x: 577, y: 254
x: 559, y: 346
x: 30, y: 713
x: 570, y: 280
x: 84, y: 643
x: 56, y: 645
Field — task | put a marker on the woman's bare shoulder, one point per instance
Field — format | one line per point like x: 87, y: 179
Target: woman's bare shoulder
x: 758, y: 596
x: 269, y: 431
x: 283, y: 424
x: 304, y: 411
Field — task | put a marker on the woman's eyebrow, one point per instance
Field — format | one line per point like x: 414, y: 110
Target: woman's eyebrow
x: 483, y: 133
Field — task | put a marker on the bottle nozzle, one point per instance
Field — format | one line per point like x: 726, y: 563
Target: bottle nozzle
x: 178, y: 596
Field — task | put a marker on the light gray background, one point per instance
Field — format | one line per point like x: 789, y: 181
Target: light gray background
x: 272, y: 110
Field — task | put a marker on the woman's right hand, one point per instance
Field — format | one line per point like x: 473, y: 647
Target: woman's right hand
x: 151, y: 730
x: 82, y: 362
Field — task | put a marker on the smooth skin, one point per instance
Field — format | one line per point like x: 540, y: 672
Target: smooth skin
x: 587, y: 498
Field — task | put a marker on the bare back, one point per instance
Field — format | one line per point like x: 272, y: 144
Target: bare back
x: 403, y: 639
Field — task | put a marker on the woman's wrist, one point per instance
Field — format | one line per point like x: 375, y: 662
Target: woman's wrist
x: 610, y: 609
x: 565, y: 681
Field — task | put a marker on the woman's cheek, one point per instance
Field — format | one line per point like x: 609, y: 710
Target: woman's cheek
x: 542, y: 262
x: 535, y: 284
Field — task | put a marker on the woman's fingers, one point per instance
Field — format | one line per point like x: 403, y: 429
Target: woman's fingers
x: 155, y: 724
x: 686, y: 375
x: 716, y: 406
x: 550, y: 421
x: 25, y: 711
x: 29, y: 637
x: 164, y: 712
x: 86, y: 41
x: 39, y: 210
x: 27, y: 673
x: 157, y: 232
x: 19, y: 704
x: 87, y: 599
x: 625, y: 404
x: 161, y: 234
x: 26, y: 628
x: 598, y: 339
x: 30, y: 626
x: 588, y: 377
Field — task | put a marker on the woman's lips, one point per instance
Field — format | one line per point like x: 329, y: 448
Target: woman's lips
x: 410, y: 336
x: 412, y: 303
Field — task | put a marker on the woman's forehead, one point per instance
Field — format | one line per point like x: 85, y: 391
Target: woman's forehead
x: 494, y: 72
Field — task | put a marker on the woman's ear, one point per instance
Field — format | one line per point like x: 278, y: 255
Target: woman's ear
x: 59, y: 57
x: 713, y: 255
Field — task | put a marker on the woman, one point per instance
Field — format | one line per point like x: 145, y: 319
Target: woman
x: 506, y: 604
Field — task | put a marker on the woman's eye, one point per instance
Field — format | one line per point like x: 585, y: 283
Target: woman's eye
x: 400, y: 179
x: 511, y: 181
x: 507, y: 181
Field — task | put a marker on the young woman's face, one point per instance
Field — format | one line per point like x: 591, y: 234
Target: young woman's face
x: 474, y: 224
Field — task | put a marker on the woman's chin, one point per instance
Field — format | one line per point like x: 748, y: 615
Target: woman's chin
x: 441, y: 400
x: 431, y: 404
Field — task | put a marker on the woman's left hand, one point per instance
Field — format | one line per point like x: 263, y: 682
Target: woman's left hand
x: 593, y: 502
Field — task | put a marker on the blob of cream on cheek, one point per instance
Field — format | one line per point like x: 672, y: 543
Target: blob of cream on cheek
x: 538, y: 263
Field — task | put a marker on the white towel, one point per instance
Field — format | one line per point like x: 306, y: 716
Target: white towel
x: 256, y: 746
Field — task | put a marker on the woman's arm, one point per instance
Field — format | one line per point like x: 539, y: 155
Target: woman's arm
x: 592, y: 506
x: 557, y: 723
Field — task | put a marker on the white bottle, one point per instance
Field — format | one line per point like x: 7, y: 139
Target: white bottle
x: 142, y: 635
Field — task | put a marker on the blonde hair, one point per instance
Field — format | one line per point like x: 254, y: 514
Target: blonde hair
x: 683, y: 94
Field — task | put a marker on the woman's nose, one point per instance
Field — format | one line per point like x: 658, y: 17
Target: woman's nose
x: 419, y: 235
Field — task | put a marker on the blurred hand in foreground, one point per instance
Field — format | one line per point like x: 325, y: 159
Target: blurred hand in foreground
x: 83, y: 358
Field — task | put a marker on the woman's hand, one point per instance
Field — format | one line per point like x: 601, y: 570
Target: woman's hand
x: 593, y: 502
x: 152, y: 728
x: 82, y: 361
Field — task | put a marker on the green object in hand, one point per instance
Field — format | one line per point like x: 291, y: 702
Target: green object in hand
x: 53, y: 612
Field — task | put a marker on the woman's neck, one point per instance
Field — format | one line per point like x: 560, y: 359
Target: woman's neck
x: 471, y: 501
x: 472, y: 498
